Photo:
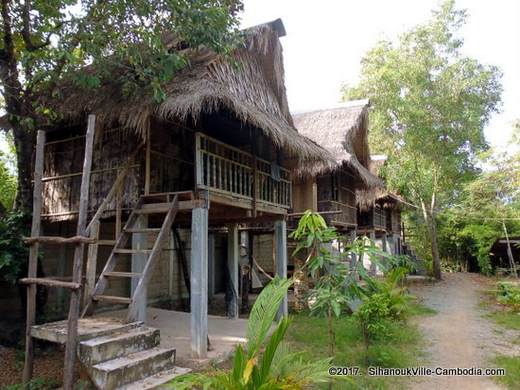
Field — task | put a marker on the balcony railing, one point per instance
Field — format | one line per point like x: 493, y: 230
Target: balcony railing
x: 341, y: 213
x: 227, y: 170
x: 379, y: 218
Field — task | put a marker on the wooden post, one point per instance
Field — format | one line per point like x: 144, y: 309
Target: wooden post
x: 199, y: 173
x: 119, y: 199
x: 211, y: 267
x: 353, y: 256
x: 373, y: 267
x: 510, y: 252
x: 90, y: 272
x: 280, y: 232
x: 232, y: 264
x: 199, y: 282
x: 33, y: 256
x: 72, y: 328
x: 147, y: 172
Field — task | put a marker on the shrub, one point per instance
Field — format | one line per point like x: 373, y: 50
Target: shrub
x: 508, y: 294
x: 13, y: 252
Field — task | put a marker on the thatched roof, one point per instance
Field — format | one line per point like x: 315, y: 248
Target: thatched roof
x: 366, y: 198
x: 252, y: 89
x: 343, y: 131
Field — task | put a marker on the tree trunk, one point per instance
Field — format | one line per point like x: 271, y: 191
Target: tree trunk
x: 429, y: 219
x: 24, y: 144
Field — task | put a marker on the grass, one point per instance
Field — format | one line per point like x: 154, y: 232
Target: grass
x: 512, y: 366
x: 506, y: 319
x: 498, y: 313
x: 400, y: 347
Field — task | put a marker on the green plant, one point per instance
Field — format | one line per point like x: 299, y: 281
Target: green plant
x: 274, y: 368
x: 34, y: 384
x: 13, y: 253
x: 329, y: 296
x: 508, y: 294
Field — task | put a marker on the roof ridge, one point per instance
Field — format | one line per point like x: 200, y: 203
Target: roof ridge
x: 338, y: 106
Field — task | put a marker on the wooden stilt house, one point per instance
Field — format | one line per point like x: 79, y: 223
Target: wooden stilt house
x: 143, y: 178
x: 343, y: 131
x: 379, y: 213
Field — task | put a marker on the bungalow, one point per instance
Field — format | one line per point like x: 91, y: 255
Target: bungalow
x: 156, y: 193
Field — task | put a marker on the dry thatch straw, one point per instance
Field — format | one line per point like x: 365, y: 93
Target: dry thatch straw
x: 252, y: 89
x: 343, y: 131
x: 366, y: 198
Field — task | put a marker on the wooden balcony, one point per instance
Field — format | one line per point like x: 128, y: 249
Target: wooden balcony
x: 237, y: 178
x: 379, y: 218
x: 338, y: 214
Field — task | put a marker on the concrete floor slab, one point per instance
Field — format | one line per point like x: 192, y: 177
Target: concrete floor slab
x: 224, y: 334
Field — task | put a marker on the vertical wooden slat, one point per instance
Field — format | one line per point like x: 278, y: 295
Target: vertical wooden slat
x: 33, y: 256
x: 199, y: 180
x: 72, y: 328
x: 119, y: 201
x: 148, y: 168
x: 214, y: 172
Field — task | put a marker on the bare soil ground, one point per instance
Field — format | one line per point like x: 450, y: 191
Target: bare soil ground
x: 459, y: 335
x: 47, y: 365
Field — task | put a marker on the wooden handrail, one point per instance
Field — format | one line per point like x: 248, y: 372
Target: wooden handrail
x: 58, y: 240
x: 51, y: 283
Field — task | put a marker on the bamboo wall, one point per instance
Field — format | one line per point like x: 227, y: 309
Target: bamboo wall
x: 63, y: 169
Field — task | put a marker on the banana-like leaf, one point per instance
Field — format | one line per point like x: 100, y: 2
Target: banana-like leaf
x: 263, y: 313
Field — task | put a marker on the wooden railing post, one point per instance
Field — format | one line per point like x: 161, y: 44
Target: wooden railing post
x: 72, y: 326
x: 90, y: 271
x: 198, y: 161
x: 33, y: 256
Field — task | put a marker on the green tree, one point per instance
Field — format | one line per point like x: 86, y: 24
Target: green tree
x: 7, y: 176
x: 487, y: 206
x: 430, y: 105
x: 45, y: 41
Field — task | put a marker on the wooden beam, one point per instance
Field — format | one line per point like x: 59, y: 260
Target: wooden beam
x: 58, y: 240
x: 50, y: 283
x: 33, y: 256
x: 72, y: 326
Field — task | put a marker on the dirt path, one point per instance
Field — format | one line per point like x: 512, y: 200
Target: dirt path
x: 458, y: 335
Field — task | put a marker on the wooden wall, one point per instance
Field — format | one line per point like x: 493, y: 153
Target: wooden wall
x: 63, y: 169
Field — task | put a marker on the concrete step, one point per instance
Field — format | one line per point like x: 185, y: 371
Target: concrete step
x: 156, y: 381
x: 87, y: 328
x: 132, y: 367
x: 101, y: 349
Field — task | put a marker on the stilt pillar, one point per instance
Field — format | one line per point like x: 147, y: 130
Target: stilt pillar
x: 232, y: 265
x: 199, y: 282
x: 280, y: 232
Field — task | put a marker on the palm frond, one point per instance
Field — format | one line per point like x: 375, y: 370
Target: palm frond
x: 263, y: 313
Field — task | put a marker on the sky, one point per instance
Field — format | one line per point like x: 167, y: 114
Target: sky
x: 326, y: 40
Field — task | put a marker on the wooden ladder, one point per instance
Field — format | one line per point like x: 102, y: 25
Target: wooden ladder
x: 78, y: 241
x: 170, y: 208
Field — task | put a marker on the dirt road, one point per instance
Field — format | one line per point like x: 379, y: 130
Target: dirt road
x: 458, y: 335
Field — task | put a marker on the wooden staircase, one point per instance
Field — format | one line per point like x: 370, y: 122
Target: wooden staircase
x: 131, y: 357
x: 169, y: 207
